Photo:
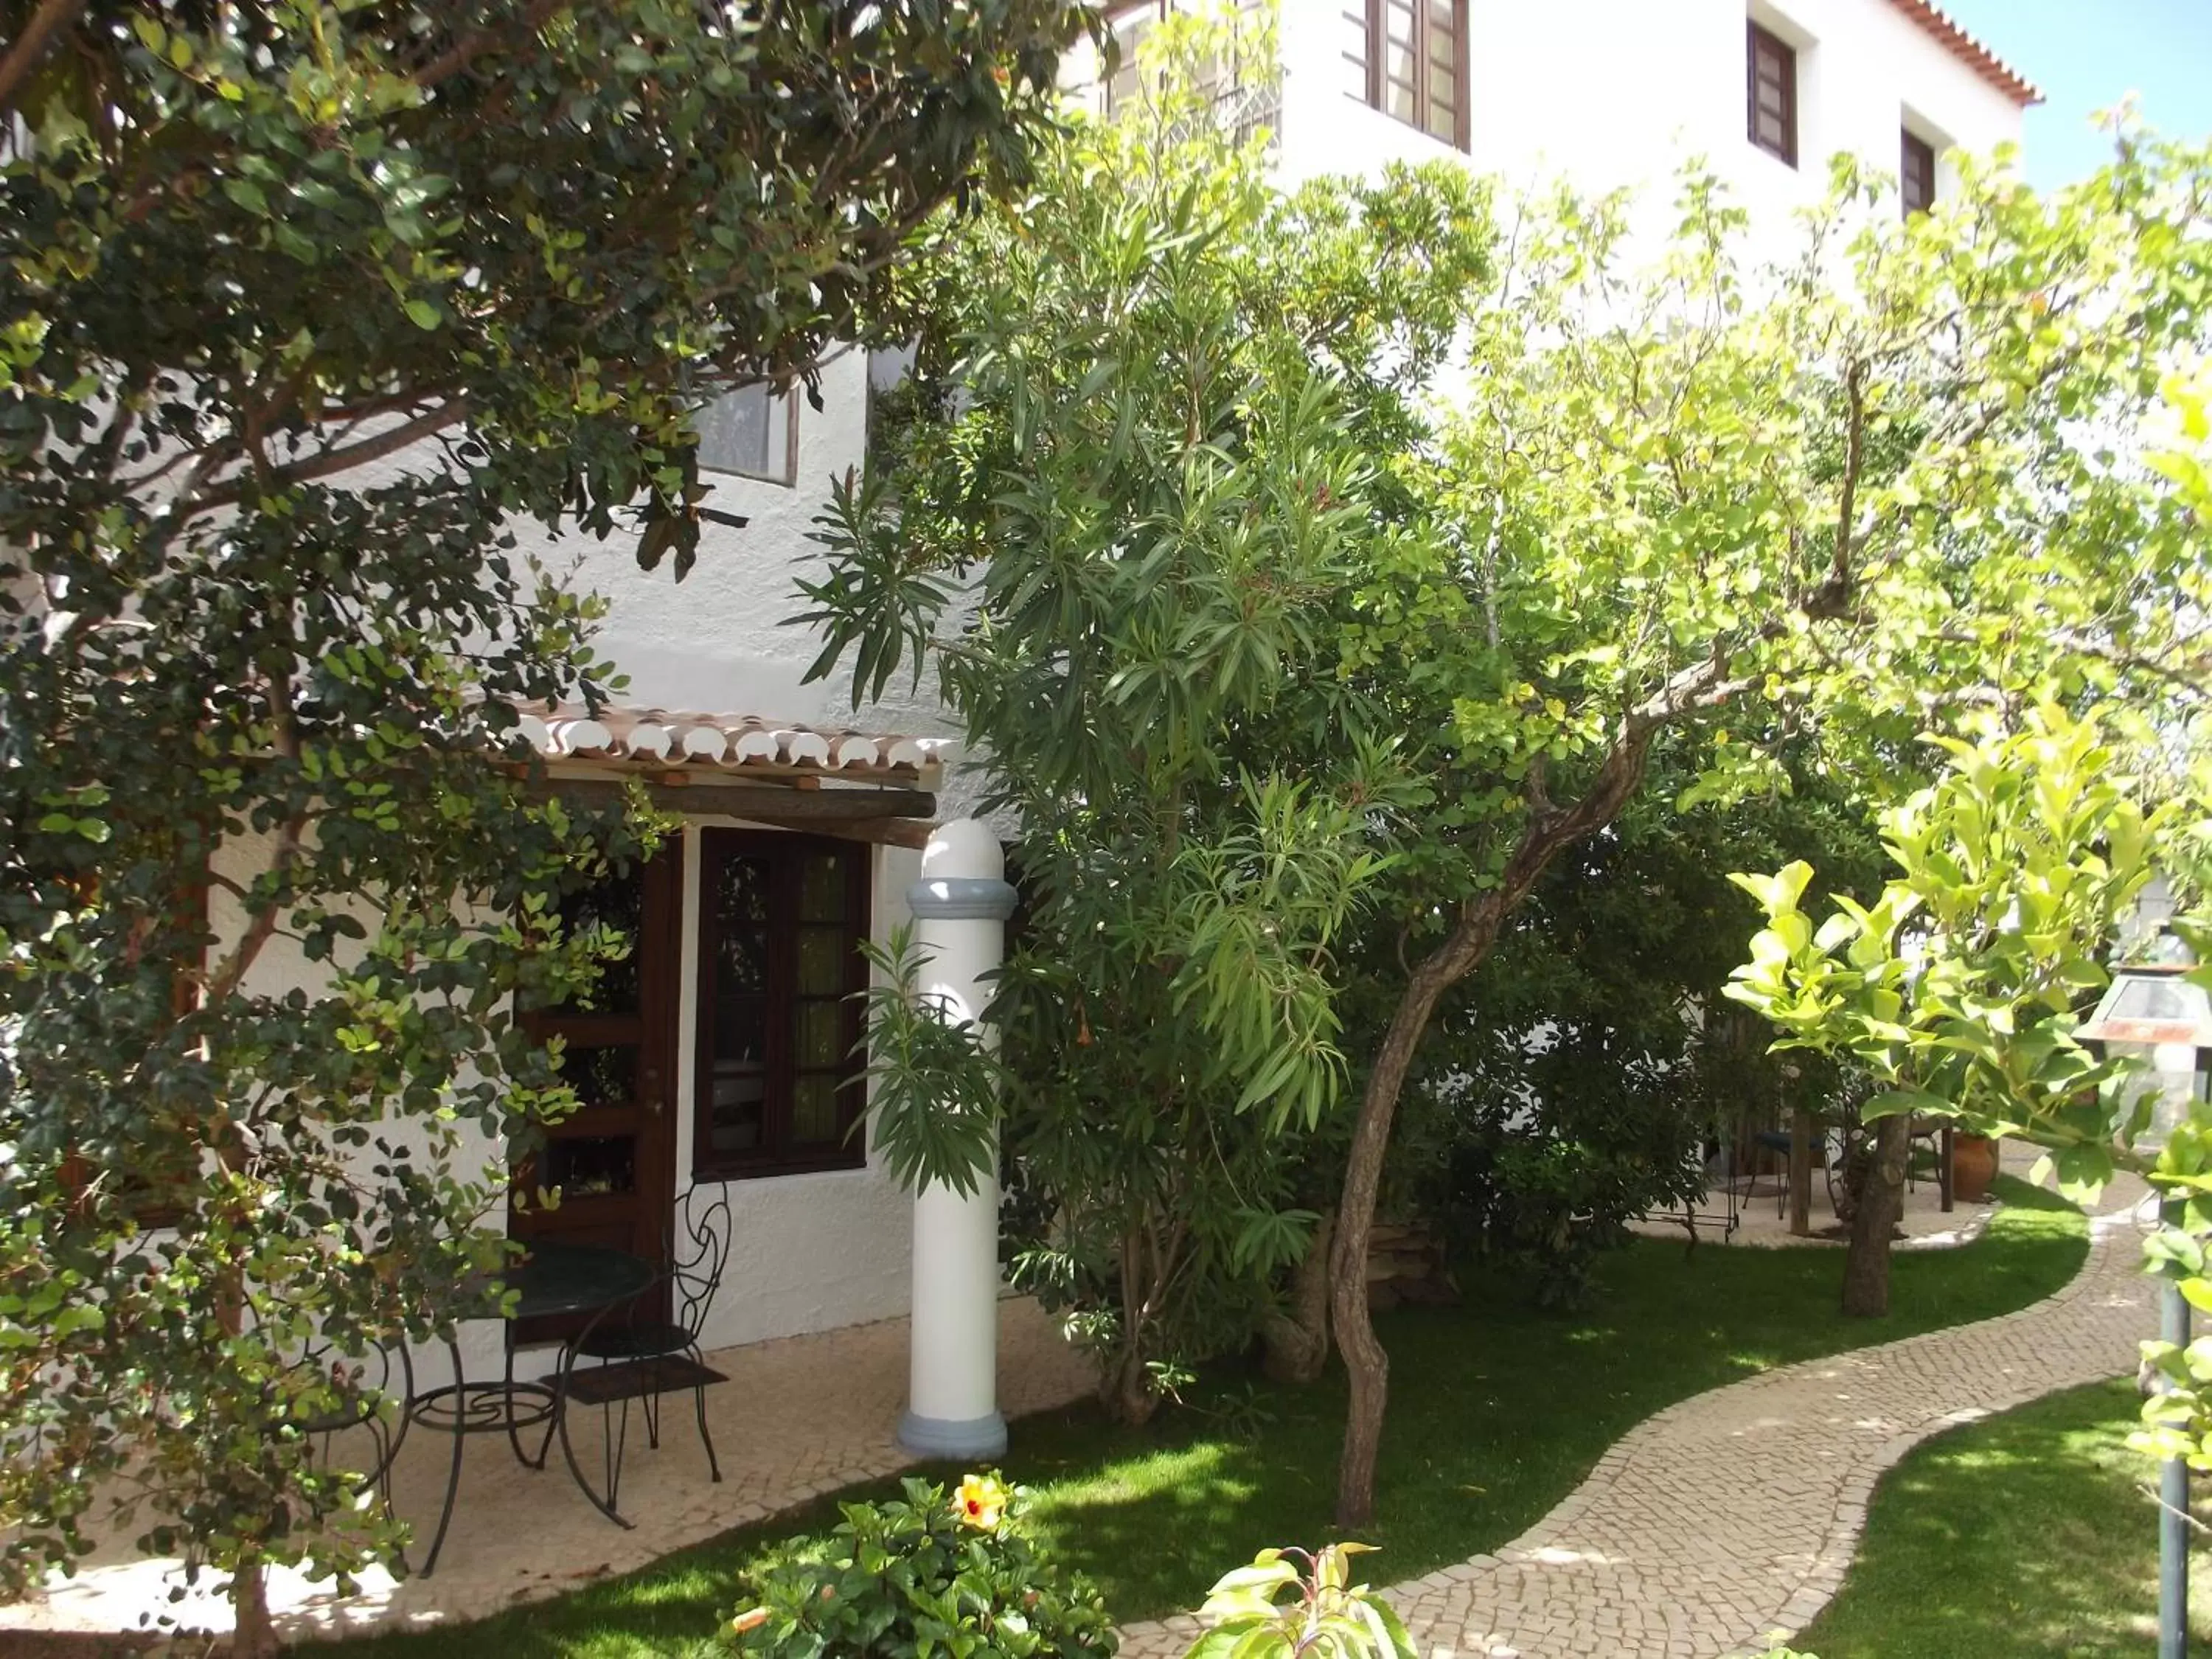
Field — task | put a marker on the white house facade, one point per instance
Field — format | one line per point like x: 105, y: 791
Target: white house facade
x: 808, y: 825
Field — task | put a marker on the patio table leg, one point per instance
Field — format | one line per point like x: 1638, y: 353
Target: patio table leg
x: 513, y: 1431
x: 452, y: 1477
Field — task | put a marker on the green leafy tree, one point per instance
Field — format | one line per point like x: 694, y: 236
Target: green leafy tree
x: 1963, y: 986
x: 1684, y: 497
x: 1853, y: 495
x: 1577, y: 1077
x: 1137, y: 486
x: 300, y: 306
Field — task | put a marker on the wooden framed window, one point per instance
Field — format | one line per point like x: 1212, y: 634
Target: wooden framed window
x: 1417, y: 58
x: 1771, y: 70
x: 780, y: 1089
x: 1916, y: 173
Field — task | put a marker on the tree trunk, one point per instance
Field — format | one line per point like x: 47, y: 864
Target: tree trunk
x: 1881, y: 1202
x: 1126, y: 1391
x: 1297, y: 1341
x: 1548, y: 832
x: 249, y: 1599
x: 1125, y: 1388
x: 1365, y: 1364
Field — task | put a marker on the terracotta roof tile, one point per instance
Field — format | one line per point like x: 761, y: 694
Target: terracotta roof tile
x: 672, y: 739
x: 1971, y: 51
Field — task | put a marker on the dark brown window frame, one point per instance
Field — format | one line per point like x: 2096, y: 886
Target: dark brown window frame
x: 1911, y: 149
x: 776, y: 1156
x: 1462, y: 137
x: 1755, y: 39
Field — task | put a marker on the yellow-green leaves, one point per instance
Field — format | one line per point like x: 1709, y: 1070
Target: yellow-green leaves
x: 1276, y: 1609
x: 1961, y: 986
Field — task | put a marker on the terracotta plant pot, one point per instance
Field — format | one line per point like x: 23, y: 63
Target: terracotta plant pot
x: 1973, y: 1167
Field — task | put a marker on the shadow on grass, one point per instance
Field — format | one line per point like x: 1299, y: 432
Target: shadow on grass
x: 2031, y: 1535
x: 1497, y: 1410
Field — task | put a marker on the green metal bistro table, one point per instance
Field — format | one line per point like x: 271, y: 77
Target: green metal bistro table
x: 554, y: 1279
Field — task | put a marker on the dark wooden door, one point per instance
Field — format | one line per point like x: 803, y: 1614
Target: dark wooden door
x: 614, y: 1160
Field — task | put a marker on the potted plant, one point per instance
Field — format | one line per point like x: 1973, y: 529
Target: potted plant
x: 1973, y: 1166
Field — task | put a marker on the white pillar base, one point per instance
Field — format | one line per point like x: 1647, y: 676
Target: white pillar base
x: 932, y: 1437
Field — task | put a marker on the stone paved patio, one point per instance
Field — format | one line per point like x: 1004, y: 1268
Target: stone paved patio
x: 1926, y: 1224
x: 796, y: 1418
x: 1652, y: 1558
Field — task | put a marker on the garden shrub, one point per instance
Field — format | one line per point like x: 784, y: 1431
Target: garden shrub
x: 1551, y: 1185
x: 950, y: 1574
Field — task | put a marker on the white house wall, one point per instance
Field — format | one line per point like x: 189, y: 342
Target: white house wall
x: 1613, y: 93
x: 808, y: 1252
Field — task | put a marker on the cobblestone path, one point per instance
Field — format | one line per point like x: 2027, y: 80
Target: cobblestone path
x: 1731, y: 1516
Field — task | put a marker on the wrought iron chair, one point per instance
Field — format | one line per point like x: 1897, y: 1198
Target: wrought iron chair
x: 641, y: 1356
x: 366, y: 1387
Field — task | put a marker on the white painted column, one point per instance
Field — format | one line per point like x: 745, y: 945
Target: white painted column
x: 960, y: 908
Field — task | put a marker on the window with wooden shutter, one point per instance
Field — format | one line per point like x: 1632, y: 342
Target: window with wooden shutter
x: 1916, y: 174
x: 1771, y: 72
x: 1417, y: 58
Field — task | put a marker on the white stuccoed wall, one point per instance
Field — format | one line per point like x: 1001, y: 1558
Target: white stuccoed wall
x: 808, y: 1252
x: 1608, y: 93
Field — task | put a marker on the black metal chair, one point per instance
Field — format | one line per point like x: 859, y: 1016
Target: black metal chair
x: 362, y: 1386
x: 642, y: 1356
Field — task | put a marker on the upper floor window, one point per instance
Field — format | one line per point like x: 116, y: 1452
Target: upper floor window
x: 1772, y: 77
x: 1916, y: 173
x: 1417, y: 59
x: 750, y: 432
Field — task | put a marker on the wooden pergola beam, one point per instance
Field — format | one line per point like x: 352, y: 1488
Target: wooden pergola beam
x: 893, y: 812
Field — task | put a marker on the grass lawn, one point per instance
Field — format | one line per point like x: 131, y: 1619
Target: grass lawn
x: 1497, y: 1410
x: 2026, y: 1536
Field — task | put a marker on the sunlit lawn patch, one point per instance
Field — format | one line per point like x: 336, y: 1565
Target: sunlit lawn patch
x: 2031, y: 1535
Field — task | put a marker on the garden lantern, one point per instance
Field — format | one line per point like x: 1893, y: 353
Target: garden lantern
x: 2152, y: 1011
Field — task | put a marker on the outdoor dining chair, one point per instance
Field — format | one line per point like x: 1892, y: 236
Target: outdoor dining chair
x: 340, y: 1388
x: 642, y: 1356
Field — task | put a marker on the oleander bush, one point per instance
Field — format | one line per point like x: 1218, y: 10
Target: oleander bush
x: 955, y: 1574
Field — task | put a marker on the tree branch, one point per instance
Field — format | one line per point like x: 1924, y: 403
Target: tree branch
x: 1834, y: 596
x: 387, y: 442
x: 30, y: 47
x: 471, y: 47
x: 261, y: 926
